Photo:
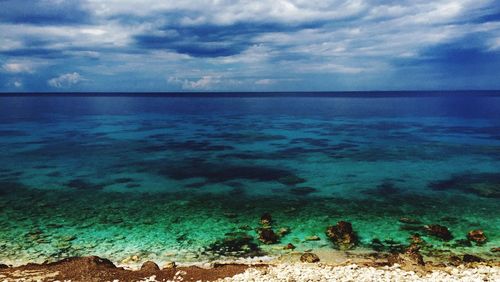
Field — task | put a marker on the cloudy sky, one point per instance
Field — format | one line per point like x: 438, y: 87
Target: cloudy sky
x: 248, y: 45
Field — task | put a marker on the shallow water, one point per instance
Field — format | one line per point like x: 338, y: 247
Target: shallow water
x: 165, y: 177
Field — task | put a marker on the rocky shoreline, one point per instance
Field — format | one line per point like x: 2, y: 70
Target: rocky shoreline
x: 398, y: 267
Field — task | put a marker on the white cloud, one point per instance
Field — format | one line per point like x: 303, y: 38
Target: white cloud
x: 17, y: 68
x: 206, y: 82
x: 65, y: 80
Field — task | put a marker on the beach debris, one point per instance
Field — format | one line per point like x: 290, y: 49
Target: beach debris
x: 409, y: 259
x: 267, y: 236
x: 477, y: 236
x: 438, y: 231
x: 289, y: 246
x: 309, y: 258
x: 313, y: 238
x: 342, y: 235
x: 169, y: 264
x: 266, y: 219
x: 471, y: 258
x: 149, y: 266
x: 408, y: 220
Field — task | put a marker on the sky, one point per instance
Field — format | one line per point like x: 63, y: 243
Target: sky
x: 245, y: 45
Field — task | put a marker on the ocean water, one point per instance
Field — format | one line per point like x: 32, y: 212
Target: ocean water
x: 172, y: 177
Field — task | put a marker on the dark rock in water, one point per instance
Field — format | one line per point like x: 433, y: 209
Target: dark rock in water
x: 302, y: 191
x: 411, y: 227
x: 495, y: 250
x: 439, y: 231
x: 289, y: 246
x: 3, y: 266
x: 462, y: 243
x: 150, y: 266
x: 410, y: 259
x: 342, y: 235
x: 408, y: 220
x: 477, y: 236
x: 240, y: 244
x: 471, y: 258
x: 291, y: 180
x: 267, y: 236
x: 309, y: 258
x: 266, y: 219
x: 377, y: 245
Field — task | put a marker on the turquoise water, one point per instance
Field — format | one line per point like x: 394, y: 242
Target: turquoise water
x: 169, y: 177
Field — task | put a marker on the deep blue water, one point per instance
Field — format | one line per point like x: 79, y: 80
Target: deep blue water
x: 156, y: 174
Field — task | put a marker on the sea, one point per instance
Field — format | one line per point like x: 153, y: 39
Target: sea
x: 186, y: 177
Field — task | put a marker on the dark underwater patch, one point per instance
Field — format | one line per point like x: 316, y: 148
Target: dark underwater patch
x: 248, y: 137
x: 481, y: 184
x: 215, y: 172
x: 81, y: 184
x: 302, y: 191
x: 384, y: 189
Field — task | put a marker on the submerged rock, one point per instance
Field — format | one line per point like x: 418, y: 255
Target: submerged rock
x: 3, y: 266
x: 495, y: 250
x: 289, y: 246
x: 266, y: 219
x: 309, y: 258
x: 240, y: 244
x: 377, y: 245
x: 408, y: 220
x: 342, y: 235
x: 477, y: 236
x: 439, y: 231
x: 313, y: 238
x: 410, y: 259
x: 471, y: 258
x: 283, y: 231
x: 267, y: 236
x: 150, y: 266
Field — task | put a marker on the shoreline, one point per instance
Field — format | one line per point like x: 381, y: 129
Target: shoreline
x: 394, y: 267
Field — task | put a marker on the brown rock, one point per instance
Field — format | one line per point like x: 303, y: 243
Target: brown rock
x: 438, y: 231
x: 309, y: 258
x: 149, y: 266
x: 266, y: 219
x: 342, y: 235
x: 3, y: 266
x: 495, y: 250
x: 477, y: 236
x: 289, y: 246
x: 416, y: 239
x: 267, y: 236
